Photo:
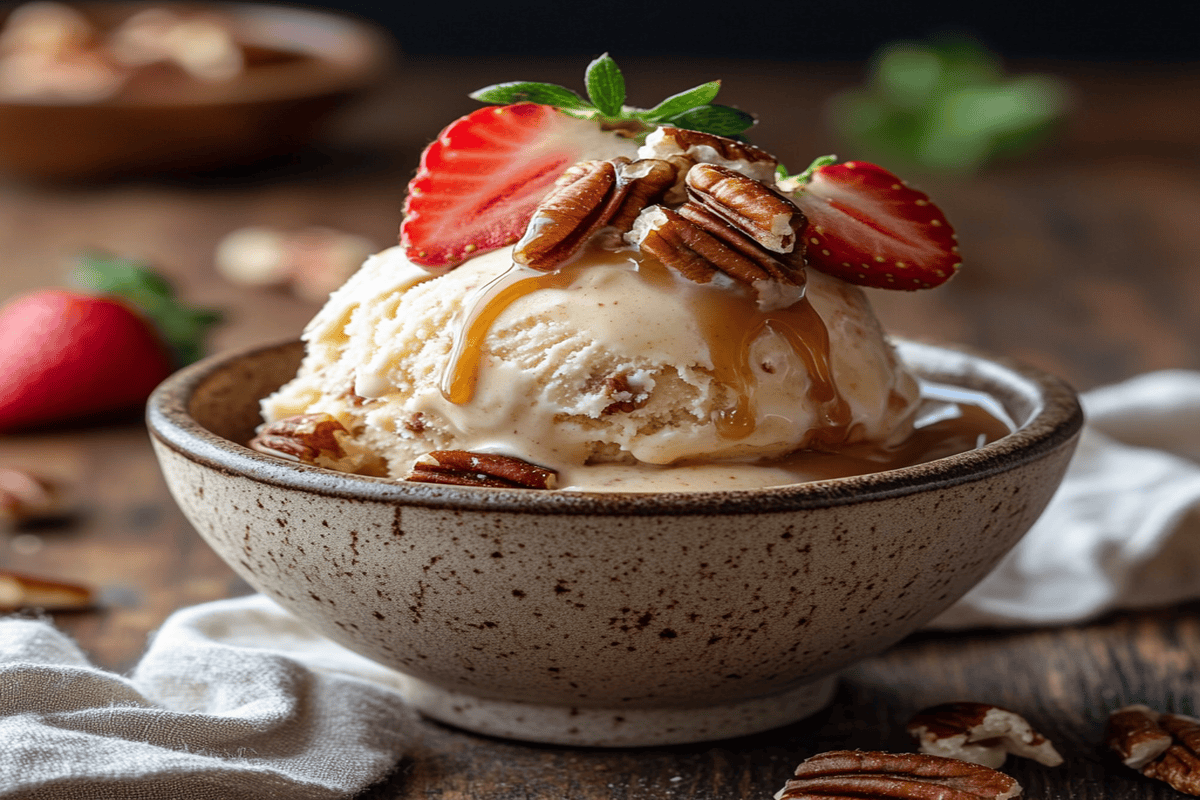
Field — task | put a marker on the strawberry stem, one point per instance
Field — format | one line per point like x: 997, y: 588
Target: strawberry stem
x: 804, y: 177
x: 181, y: 327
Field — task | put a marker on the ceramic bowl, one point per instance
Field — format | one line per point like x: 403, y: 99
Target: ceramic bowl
x: 302, y: 66
x: 611, y: 619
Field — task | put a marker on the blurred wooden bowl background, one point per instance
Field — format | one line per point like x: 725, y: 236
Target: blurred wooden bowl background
x: 301, y: 67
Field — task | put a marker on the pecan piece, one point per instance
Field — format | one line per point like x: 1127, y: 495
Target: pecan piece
x: 980, y: 733
x: 624, y: 398
x: 699, y: 246
x: 307, y: 438
x: 464, y: 468
x: 585, y: 198
x: 751, y: 207
x: 1165, y: 747
x: 912, y: 776
x: 18, y: 591
x: 648, y: 180
x: 589, y: 196
x: 25, y: 497
x: 708, y: 148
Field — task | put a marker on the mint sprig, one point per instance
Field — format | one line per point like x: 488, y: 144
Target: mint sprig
x: 693, y: 109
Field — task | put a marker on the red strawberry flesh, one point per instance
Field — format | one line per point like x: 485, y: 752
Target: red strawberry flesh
x: 867, y: 227
x: 478, y: 184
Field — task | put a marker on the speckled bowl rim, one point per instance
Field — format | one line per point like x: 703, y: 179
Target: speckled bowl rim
x: 1054, y: 421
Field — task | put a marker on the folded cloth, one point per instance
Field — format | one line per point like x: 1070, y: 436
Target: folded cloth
x: 233, y: 699
x: 1123, y: 531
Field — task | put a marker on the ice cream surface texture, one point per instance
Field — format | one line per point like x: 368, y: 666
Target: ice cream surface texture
x: 626, y: 301
x: 608, y: 371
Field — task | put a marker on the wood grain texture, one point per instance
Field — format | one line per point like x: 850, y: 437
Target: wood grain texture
x: 1084, y: 261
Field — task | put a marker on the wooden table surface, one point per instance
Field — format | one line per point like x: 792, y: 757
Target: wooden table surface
x: 1084, y: 261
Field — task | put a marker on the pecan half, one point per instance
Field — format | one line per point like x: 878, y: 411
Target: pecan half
x: 911, y: 776
x: 18, y: 591
x: 464, y: 468
x: 584, y: 199
x: 699, y: 245
x: 748, y: 205
x: 320, y: 440
x: 1165, y: 747
x: 307, y: 438
x: 589, y: 196
x: 648, y: 180
x: 980, y: 733
x: 709, y: 148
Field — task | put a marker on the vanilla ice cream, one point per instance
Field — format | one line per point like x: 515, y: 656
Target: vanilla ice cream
x: 614, y: 371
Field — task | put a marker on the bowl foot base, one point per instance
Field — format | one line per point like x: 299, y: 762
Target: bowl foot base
x: 621, y: 727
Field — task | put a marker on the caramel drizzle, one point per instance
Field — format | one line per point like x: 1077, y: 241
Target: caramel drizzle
x: 722, y: 313
x: 461, y: 373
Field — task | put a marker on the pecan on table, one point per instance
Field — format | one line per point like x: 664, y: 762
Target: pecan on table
x: 1165, y: 747
x: 895, y: 776
x: 25, y: 497
x: 980, y: 733
x: 19, y: 591
x: 464, y: 468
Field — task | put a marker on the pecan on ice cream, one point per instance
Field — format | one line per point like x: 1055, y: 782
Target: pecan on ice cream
x: 464, y: 468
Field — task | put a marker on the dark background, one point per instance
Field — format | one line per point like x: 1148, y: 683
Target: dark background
x: 777, y: 29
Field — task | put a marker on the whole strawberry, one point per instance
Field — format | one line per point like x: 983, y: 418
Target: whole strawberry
x: 67, y: 354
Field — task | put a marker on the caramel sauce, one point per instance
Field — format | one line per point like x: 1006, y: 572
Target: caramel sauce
x: 960, y: 425
x: 949, y: 421
x: 462, y: 371
x: 970, y: 427
x: 729, y: 319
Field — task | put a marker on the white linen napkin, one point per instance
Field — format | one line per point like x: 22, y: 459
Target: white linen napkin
x: 1123, y: 531
x: 233, y: 700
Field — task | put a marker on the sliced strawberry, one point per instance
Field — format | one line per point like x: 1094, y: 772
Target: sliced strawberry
x: 867, y: 227
x: 478, y: 184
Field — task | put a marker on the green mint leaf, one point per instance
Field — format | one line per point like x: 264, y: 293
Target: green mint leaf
x: 806, y: 176
x: 676, y: 104
x: 721, y: 120
x: 532, y: 92
x: 606, y: 86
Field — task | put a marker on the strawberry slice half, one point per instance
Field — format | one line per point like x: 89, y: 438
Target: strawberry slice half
x: 866, y: 226
x: 478, y: 184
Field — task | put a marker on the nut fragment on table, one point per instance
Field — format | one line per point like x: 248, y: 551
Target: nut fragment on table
x: 900, y: 776
x: 980, y: 733
x: 311, y: 261
x: 1165, y: 747
x: 464, y: 468
x: 25, y: 497
x: 19, y: 591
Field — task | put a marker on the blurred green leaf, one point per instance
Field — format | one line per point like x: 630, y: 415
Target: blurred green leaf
x: 946, y: 105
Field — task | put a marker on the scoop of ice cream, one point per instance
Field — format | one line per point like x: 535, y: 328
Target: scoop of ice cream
x: 609, y: 365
